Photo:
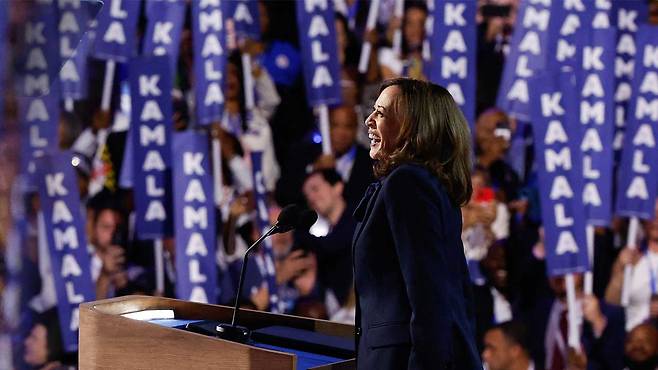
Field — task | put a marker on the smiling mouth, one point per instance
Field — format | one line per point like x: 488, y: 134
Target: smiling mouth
x: 374, y: 139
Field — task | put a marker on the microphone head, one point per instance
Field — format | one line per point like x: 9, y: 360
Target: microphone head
x: 288, y: 218
x: 307, y: 219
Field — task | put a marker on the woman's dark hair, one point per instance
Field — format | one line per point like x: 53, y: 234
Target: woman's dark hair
x: 433, y: 133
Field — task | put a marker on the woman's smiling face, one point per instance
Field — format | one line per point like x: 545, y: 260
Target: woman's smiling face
x: 383, y: 123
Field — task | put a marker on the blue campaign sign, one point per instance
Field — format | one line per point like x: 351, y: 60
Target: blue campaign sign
x: 164, y: 28
x: 37, y: 61
x: 263, y: 222
x: 151, y: 115
x: 3, y: 48
x: 627, y: 16
x: 595, y: 85
x: 209, y: 59
x: 637, y: 182
x: 568, y: 19
x: 116, y: 32
x: 317, y: 39
x: 39, y: 121
x: 74, y: 48
x: 528, y: 55
x: 559, y: 168
x: 453, y: 51
x: 65, y: 232
x: 194, y: 219
x: 245, y: 17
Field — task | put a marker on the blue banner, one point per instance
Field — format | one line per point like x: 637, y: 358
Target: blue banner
x: 38, y: 62
x: 568, y: 19
x: 65, y: 232
x: 151, y: 114
x: 559, y: 172
x: 3, y: 51
x: 528, y: 54
x: 194, y: 219
x: 245, y: 18
x: 74, y: 48
x: 595, y: 84
x: 317, y: 39
x: 453, y: 63
x: 637, y: 181
x: 627, y: 16
x: 266, y: 255
x: 116, y: 33
x: 164, y: 28
x: 39, y: 122
x: 209, y: 59
x: 601, y: 13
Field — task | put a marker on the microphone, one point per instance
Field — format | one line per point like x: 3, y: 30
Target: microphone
x: 306, y: 219
x: 292, y: 216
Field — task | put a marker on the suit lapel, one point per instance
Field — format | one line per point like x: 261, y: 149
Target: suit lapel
x: 363, y: 211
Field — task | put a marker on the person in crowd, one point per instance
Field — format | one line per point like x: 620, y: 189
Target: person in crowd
x: 485, y: 222
x: 641, y: 348
x: 506, y: 347
x: 251, y: 128
x: 238, y: 233
x: 643, y: 294
x: 494, y: 300
x: 495, y: 25
x: 293, y: 118
x: 43, y: 346
x: 410, y: 61
x: 348, y: 55
x: 289, y: 264
x: 348, y: 158
x: 602, y: 330
x: 323, y: 190
x: 109, y: 243
x: 69, y: 129
x: 493, y: 131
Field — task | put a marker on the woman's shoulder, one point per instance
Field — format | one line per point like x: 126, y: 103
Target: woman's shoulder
x: 408, y: 176
x: 410, y: 169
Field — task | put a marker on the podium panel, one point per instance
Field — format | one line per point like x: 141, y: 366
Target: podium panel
x: 111, y: 341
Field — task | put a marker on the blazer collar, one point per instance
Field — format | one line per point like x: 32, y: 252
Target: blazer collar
x: 365, y: 206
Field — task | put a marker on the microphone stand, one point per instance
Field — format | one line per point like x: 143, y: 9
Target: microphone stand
x: 233, y: 332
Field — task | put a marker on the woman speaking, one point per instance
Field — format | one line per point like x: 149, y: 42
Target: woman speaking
x: 414, y: 305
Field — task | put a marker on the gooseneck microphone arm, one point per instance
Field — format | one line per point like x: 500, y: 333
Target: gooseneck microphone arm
x: 243, y: 271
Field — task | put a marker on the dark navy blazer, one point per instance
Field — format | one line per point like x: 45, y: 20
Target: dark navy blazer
x: 414, y: 300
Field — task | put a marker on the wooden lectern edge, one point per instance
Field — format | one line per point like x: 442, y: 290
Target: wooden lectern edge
x: 104, y: 316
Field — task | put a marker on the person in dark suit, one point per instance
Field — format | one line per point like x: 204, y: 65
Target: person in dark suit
x: 414, y: 304
x: 348, y: 158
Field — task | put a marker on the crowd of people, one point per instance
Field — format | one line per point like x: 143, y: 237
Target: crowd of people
x: 520, y: 312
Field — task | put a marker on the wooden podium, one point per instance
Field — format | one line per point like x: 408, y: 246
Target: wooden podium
x: 111, y: 341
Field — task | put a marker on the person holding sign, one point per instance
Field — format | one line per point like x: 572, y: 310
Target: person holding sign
x: 409, y: 63
x: 414, y: 303
x: 643, y: 302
